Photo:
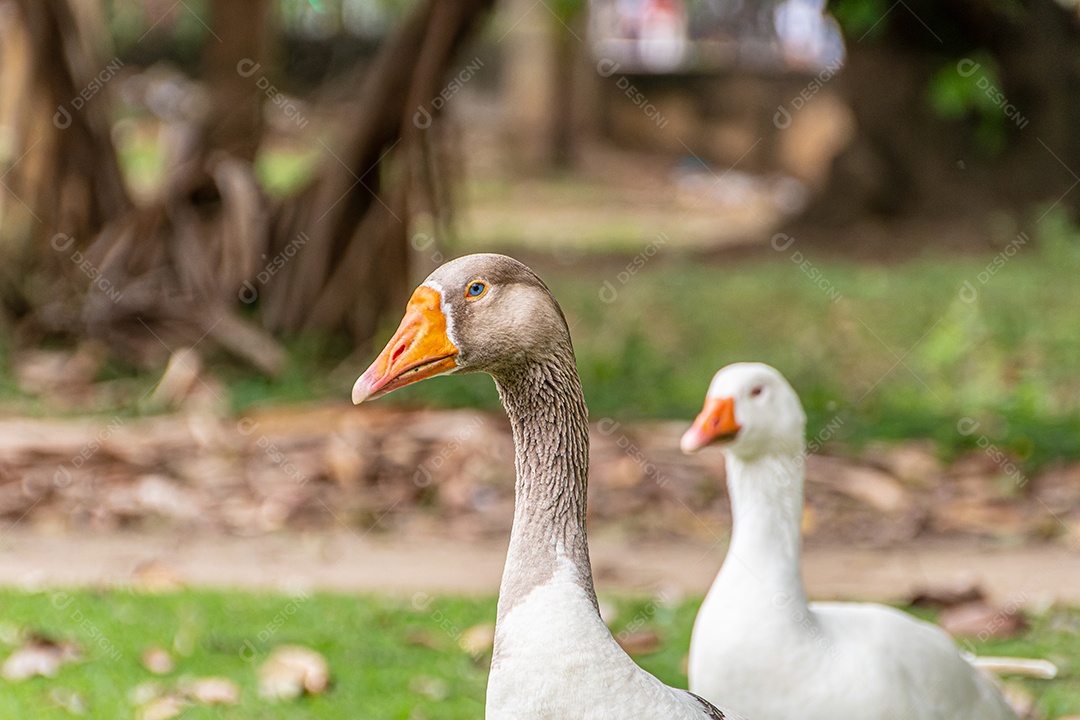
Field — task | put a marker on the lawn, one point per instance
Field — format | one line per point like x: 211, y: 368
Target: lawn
x: 891, y: 352
x: 901, y: 351
x: 879, y: 352
x: 389, y: 658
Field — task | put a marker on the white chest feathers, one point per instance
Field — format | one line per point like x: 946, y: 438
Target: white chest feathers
x: 556, y: 660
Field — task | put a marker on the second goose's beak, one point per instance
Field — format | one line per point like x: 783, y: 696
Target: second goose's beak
x: 419, y: 349
x: 715, y: 423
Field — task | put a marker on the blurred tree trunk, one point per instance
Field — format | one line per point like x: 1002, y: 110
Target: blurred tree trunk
x: 244, y: 28
x: 65, y: 173
x: 151, y: 280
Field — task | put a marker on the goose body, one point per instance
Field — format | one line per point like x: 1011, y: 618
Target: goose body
x: 757, y: 641
x: 553, y: 657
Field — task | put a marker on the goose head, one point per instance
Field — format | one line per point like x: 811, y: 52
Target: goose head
x: 478, y: 313
x: 751, y: 411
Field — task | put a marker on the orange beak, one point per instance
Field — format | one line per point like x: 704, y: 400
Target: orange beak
x: 715, y: 423
x: 419, y: 349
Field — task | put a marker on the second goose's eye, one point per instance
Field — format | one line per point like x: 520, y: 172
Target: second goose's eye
x: 475, y: 290
x: 756, y: 390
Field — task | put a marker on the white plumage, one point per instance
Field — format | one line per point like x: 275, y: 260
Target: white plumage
x: 562, y: 662
x: 757, y: 642
x: 553, y: 657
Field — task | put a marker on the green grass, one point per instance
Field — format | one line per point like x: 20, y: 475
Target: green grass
x: 389, y: 658
x: 1007, y: 359
x: 882, y: 352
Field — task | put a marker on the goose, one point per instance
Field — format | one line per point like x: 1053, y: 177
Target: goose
x: 553, y: 656
x: 757, y: 642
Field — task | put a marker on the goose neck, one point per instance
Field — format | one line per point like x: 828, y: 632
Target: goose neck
x: 766, y: 506
x: 549, y: 419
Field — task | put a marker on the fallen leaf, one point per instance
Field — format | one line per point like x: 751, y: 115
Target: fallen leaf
x: 38, y: 656
x: 144, y: 692
x: 292, y: 670
x: 430, y: 687
x: 913, y: 463
x: 982, y: 620
x: 156, y: 577
x: 69, y: 700
x: 478, y: 640
x: 875, y: 488
x: 212, y: 691
x: 157, y: 660
x: 948, y: 595
x: 422, y: 638
x: 163, y: 708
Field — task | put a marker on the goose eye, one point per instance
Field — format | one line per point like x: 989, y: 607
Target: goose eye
x: 475, y: 290
x: 756, y: 390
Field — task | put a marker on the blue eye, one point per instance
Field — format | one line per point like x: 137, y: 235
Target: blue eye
x: 475, y: 290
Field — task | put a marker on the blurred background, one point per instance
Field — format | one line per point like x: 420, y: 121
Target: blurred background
x: 214, y: 211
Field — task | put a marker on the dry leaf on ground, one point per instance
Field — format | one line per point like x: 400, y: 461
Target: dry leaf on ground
x: 157, y: 660
x: 292, y: 670
x: 38, y: 656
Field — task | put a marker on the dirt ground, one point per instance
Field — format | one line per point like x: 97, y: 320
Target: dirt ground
x: 352, y: 562
x: 329, y: 497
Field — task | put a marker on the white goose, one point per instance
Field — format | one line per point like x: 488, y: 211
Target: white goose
x: 553, y: 657
x: 757, y: 642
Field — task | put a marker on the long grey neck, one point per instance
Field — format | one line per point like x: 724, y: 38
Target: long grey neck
x: 550, y: 421
x: 766, y: 538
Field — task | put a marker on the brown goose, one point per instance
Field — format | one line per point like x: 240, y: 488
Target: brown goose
x: 553, y: 657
